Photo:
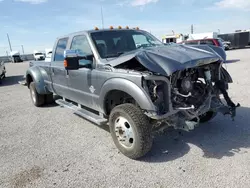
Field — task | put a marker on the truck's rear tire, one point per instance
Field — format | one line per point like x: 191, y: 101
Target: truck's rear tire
x: 130, y: 130
x: 37, y: 99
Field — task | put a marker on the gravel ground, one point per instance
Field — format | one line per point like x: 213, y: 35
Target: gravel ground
x: 51, y: 147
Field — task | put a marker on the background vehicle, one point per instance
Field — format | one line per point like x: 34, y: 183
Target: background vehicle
x: 226, y: 44
x: 239, y: 39
x: 15, y: 56
x: 39, y: 56
x: 103, y: 76
x: 2, y: 70
x: 207, y: 41
x: 205, y: 35
x: 214, y: 44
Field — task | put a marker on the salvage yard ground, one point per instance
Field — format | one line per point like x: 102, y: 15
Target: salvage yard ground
x: 51, y: 147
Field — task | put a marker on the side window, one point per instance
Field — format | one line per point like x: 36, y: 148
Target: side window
x: 81, y: 44
x: 61, y: 46
x: 140, y: 40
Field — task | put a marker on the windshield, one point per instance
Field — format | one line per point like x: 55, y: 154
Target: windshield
x: 114, y: 43
x: 38, y: 54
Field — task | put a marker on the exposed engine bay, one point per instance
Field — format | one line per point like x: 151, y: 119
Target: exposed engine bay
x: 194, y: 93
x: 185, y: 89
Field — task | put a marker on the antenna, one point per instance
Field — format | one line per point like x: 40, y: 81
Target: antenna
x: 102, y: 18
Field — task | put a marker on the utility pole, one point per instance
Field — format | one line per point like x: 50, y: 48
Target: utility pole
x: 102, y: 18
x: 192, y: 29
x: 9, y: 42
x: 22, y: 49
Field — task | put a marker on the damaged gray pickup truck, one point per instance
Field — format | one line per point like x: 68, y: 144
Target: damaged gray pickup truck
x: 128, y: 79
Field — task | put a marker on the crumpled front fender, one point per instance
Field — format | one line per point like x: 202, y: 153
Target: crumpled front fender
x: 128, y: 87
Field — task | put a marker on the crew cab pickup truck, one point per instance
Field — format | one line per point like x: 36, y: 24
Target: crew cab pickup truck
x: 132, y: 82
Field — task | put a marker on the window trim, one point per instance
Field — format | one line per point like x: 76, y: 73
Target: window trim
x: 57, y: 46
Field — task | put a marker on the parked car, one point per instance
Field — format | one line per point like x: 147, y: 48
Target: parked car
x: 2, y: 70
x: 39, y: 56
x: 207, y: 41
x: 104, y: 77
x: 226, y: 44
x: 15, y: 57
x: 214, y: 44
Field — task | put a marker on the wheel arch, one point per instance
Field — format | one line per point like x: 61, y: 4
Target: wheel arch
x: 126, y: 87
x: 35, y: 74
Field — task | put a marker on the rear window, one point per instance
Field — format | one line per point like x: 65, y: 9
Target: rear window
x: 38, y: 54
x: 208, y: 42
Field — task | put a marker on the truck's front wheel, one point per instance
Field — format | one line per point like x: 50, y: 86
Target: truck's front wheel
x: 37, y: 99
x: 130, y: 130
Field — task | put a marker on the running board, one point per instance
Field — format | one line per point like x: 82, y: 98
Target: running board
x: 82, y: 112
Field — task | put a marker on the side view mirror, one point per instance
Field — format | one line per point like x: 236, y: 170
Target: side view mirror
x: 72, y: 60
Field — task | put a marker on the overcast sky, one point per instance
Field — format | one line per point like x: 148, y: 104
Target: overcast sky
x: 36, y: 23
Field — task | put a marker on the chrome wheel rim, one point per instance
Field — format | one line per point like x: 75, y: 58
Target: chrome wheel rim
x: 124, y: 132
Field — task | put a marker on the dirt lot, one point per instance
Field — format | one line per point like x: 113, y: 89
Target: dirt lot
x: 51, y: 147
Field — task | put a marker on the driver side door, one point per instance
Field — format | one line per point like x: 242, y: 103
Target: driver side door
x: 79, y: 81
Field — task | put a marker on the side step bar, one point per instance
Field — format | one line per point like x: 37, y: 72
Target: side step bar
x: 82, y: 112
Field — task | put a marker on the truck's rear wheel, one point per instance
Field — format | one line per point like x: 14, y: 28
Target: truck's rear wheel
x: 37, y: 99
x: 130, y: 130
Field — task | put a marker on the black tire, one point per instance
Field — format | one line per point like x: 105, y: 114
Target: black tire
x: 207, y: 116
x: 37, y: 99
x: 140, y: 126
x: 49, y: 99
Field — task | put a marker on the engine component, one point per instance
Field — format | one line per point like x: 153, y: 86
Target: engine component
x: 186, y: 85
x: 207, y: 75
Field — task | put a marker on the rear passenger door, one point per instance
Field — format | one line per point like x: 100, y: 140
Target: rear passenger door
x: 58, y: 71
